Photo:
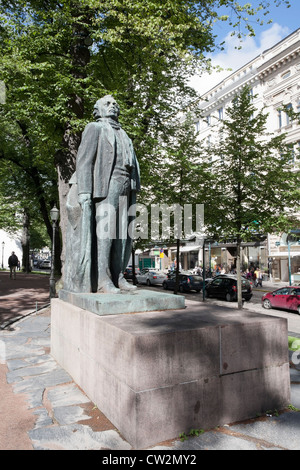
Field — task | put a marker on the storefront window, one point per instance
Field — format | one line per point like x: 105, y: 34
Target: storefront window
x: 295, y: 265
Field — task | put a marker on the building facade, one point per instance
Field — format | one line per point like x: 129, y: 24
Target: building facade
x: 274, y: 80
x: 8, y: 244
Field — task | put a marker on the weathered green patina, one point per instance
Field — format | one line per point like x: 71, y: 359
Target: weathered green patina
x: 102, y: 189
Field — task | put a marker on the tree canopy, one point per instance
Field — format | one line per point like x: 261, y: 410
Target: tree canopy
x: 59, y: 57
x: 254, y: 185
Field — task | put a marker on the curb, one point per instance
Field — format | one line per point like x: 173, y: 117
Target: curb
x: 21, y: 317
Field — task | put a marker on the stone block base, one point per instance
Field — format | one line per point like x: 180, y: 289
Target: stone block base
x: 157, y: 374
x: 126, y: 302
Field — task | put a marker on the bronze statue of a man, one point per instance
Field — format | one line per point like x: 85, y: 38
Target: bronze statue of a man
x: 103, y: 188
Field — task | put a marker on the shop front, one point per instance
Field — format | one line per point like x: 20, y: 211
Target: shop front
x: 217, y: 255
x: 190, y: 256
x: 223, y: 256
x: 284, y: 256
x: 285, y: 266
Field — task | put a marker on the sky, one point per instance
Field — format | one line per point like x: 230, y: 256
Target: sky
x: 285, y: 21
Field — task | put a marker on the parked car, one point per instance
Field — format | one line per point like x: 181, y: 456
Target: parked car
x: 250, y: 280
x: 150, y: 276
x: 225, y: 286
x: 187, y: 282
x: 287, y: 298
x: 45, y: 264
x: 128, y: 273
x: 37, y: 262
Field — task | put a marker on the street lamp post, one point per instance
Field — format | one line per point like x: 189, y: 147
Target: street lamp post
x: 296, y: 234
x: 203, y: 271
x: 54, y: 215
x: 3, y: 245
x: 290, y: 270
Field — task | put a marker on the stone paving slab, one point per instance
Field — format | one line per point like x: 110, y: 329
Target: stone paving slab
x: 283, y: 430
x: 69, y: 414
x: 218, y: 440
x: 67, y: 395
x: 76, y: 437
x: 295, y: 394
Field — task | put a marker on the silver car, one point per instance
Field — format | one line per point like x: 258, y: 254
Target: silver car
x: 45, y: 264
x: 150, y: 276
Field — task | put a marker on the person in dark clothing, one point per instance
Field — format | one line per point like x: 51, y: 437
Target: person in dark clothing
x: 13, y: 263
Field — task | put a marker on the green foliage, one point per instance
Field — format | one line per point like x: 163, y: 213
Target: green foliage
x: 9, y: 220
x: 57, y: 58
x: 193, y: 433
x: 293, y: 408
x: 294, y: 343
x: 11, y: 208
x: 39, y: 237
x: 177, y: 176
x: 24, y: 183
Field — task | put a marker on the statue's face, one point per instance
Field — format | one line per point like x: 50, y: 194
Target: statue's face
x: 108, y: 107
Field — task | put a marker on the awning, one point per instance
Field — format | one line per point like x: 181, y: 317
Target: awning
x: 185, y: 249
x: 285, y: 254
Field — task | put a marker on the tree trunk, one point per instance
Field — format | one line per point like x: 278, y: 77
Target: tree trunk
x: 25, y: 242
x: 239, y: 277
x: 65, y: 161
x: 133, y: 266
x: 65, y: 158
x: 177, y: 266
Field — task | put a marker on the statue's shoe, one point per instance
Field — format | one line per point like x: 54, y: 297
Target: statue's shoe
x: 107, y: 287
x: 124, y: 285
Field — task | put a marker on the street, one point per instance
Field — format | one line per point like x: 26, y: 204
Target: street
x: 253, y: 305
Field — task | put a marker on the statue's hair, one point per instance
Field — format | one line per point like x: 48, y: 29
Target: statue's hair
x: 96, y: 112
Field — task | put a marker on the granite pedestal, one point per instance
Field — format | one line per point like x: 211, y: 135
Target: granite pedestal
x: 157, y: 374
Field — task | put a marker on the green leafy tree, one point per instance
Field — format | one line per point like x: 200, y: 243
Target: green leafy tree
x: 25, y: 187
x: 57, y: 58
x: 254, y: 184
x: 181, y: 177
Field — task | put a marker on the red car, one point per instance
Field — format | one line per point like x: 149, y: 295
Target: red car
x: 286, y: 298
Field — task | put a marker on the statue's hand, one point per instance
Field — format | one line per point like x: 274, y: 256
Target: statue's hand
x: 84, y: 198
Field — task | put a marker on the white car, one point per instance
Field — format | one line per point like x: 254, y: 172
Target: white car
x: 151, y: 276
x: 46, y: 264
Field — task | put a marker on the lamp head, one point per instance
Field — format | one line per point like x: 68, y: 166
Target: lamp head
x: 54, y: 214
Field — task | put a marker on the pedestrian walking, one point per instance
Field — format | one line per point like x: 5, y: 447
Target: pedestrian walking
x: 258, y: 278
x: 13, y: 263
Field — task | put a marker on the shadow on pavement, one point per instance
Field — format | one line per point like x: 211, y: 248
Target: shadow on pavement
x: 23, y: 295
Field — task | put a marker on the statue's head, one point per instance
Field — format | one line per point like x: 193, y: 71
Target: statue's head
x: 106, y: 107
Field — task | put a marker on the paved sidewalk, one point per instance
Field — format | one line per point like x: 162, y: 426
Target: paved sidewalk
x: 41, y: 407
x: 23, y: 295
